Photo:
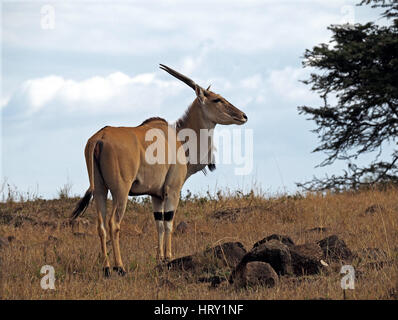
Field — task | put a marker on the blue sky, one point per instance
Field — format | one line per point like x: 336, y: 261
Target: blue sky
x: 99, y: 66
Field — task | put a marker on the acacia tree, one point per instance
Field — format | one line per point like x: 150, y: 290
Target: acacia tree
x: 357, y: 79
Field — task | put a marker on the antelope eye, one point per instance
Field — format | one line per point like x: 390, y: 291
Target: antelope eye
x: 216, y: 100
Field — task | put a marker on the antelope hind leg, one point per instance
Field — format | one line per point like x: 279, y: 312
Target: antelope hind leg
x: 119, y: 206
x: 100, y: 201
x: 170, y: 208
x: 157, y: 205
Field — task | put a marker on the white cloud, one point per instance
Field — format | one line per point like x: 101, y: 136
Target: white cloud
x: 286, y: 83
x: 116, y: 92
x: 41, y: 91
x: 4, y: 102
x: 120, y: 93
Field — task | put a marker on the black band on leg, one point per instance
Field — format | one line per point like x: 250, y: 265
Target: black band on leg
x: 158, y: 215
x: 168, y: 216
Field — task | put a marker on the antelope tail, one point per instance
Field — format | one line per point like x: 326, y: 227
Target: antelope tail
x: 91, y: 152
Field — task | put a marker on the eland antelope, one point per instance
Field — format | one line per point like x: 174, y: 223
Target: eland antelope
x: 116, y: 161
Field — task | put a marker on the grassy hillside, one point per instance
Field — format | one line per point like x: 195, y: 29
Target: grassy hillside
x: 35, y: 233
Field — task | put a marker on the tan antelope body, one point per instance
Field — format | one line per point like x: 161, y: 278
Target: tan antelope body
x: 117, y: 162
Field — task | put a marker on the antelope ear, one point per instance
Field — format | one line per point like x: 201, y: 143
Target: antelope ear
x: 200, y: 94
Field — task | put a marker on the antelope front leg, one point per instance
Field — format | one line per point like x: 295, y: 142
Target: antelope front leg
x: 170, y: 208
x: 168, y: 226
x: 157, y: 205
x: 160, y: 228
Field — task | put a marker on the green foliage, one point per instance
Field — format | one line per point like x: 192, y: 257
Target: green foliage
x: 359, y: 73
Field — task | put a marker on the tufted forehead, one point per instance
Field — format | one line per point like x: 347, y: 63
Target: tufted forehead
x: 213, y: 95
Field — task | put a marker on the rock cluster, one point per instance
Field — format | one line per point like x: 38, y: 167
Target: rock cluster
x: 272, y: 257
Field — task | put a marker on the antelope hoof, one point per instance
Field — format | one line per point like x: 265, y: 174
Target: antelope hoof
x: 120, y: 271
x: 107, y: 272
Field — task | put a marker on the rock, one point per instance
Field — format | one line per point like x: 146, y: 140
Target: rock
x: 253, y: 274
x: 287, y: 258
x: 335, y: 249
x: 284, y: 239
x: 181, y: 228
x: 187, y: 263
x: 228, y: 254
x: 231, y: 253
x: 307, y: 259
x: 273, y: 252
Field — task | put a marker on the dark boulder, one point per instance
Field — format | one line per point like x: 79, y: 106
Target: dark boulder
x: 231, y: 253
x: 306, y: 259
x: 273, y: 252
x: 228, y: 254
x: 284, y: 239
x: 253, y: 274
x: 335, y: 249
x: 187, y: 263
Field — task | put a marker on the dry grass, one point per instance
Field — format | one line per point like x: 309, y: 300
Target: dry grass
x: 41, y: 238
